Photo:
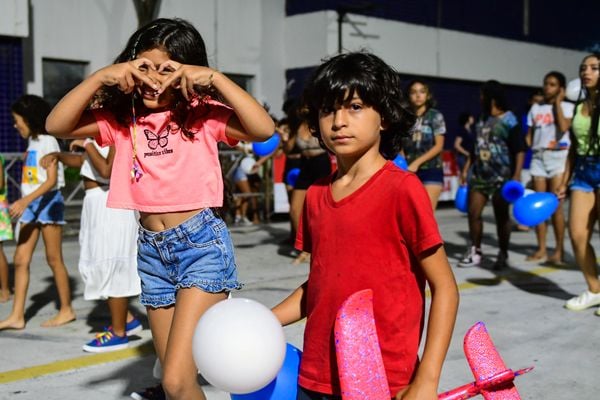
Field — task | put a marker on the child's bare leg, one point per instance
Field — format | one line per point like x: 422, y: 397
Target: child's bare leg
x: 28, y: 236
x: 52, y: 235
x: 558, y: 223
x: 302, y: 257
x: 539, y: 185
x: 540, y: 253
x: 118, y: 314
x: 180, y: 374
x: 160, y: 320
x: 4, y: 289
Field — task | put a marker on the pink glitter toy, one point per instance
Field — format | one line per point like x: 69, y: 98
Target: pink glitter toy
x: 359, y: 360
x: 360, y: 365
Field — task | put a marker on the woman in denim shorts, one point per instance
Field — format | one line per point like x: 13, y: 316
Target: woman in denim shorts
x: 424, y: 147
x: 548, y: 135
x: 40, y: 210
x: 583, y: 166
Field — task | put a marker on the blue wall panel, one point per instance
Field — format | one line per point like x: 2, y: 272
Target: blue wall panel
x: 11, y: 88
x: 557, y: 23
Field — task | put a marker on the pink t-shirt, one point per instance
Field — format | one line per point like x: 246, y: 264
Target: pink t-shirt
x: 178, y: 173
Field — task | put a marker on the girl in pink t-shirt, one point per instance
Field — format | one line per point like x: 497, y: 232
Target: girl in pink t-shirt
x: 157, y: 105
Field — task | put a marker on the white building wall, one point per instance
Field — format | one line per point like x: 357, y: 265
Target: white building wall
x: 14, y: 18
x: 78, y: 30
x: 421, y: 50
x: 253, y: 37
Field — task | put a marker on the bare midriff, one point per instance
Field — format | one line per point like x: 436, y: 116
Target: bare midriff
x: 162, y: 221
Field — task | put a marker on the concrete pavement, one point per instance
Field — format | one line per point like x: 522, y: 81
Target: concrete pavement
x: 522, y: 308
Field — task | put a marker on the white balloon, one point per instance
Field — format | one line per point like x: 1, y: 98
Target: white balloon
x: 573, y: 89
x: 247, y: 164
x: 239, y: 345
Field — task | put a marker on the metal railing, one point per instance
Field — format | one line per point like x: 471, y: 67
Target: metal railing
x: 230, y: 159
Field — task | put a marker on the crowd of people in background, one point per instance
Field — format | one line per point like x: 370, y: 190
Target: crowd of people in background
x: 490, y: 148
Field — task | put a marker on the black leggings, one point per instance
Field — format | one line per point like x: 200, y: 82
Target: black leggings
x: 305, y: 394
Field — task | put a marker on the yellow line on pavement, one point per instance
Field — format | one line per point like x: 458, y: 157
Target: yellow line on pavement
x: 147, y: 348
x: 540, y: 271
x: 75, y: 363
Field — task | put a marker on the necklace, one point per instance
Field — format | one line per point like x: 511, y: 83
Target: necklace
x: 136, y: 170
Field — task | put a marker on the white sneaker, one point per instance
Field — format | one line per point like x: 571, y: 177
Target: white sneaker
x: 585, y: 300
x: 472, y: 258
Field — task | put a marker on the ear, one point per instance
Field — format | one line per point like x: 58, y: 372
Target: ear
x: 384, y: 125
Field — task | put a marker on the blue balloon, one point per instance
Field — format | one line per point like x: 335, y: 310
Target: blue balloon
x: 400, y: 162
x: 512, y: 191
x: 292, y: 176
x: 533, y: 209
x: 267, y: 147
x: 285, y: 384
x: 461, y: 200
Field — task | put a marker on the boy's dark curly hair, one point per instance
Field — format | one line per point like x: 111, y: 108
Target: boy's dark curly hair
x: 34, y: 110
x: 181, y: 41
x: 378, y: 85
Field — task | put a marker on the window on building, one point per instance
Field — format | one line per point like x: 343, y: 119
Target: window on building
x: 243, y: 81
x: 60, y: 76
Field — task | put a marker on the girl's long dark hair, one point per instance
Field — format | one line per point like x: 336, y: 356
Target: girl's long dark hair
x: 180, y: 40
x: 378, y: 86
x: 34, y: 110
x: 593, y: 137
x: 493, y: 90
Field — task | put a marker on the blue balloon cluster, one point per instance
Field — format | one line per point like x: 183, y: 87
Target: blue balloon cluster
x: 512, y: 191
x: 265, y: 148
x: 461, y: 200
x: 535, y: 208
x: 292, y: 176
x: 400, y: 162
x: 285, y: 385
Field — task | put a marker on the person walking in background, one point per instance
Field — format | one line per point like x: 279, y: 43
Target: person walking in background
x: 157, y: 107
x: 286, y: 127
x: 548, y: 136
x: 107, y: 242
x: 582, y: 170
x: 247, y: 167
x: 6, y: 233
x: 497, y: 157
x: 423, y: 150
x: 464, y: 140
x: 369, y: 225
x: 39, y: 210
x: 314, y: 164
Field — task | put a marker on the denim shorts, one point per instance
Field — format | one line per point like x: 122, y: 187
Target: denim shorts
x: 197, y: 253
x: 548, y: 163
x: 586, y: 174
x: 431, y: 176
x: 46, y: 209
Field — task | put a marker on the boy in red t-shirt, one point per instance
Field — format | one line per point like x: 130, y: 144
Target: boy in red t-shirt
x: 369, y: 226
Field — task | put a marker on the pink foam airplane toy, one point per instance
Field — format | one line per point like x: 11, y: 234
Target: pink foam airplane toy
x: 360, y: 365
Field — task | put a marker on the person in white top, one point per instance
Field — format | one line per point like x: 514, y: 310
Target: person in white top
x: 548, y: 135
x: 39, y: 210
x: 108, y: 244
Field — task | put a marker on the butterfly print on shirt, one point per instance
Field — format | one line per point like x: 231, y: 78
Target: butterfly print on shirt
x: 154, y: 140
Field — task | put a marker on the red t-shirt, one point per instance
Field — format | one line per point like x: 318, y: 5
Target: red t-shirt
x: 369, y: 239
